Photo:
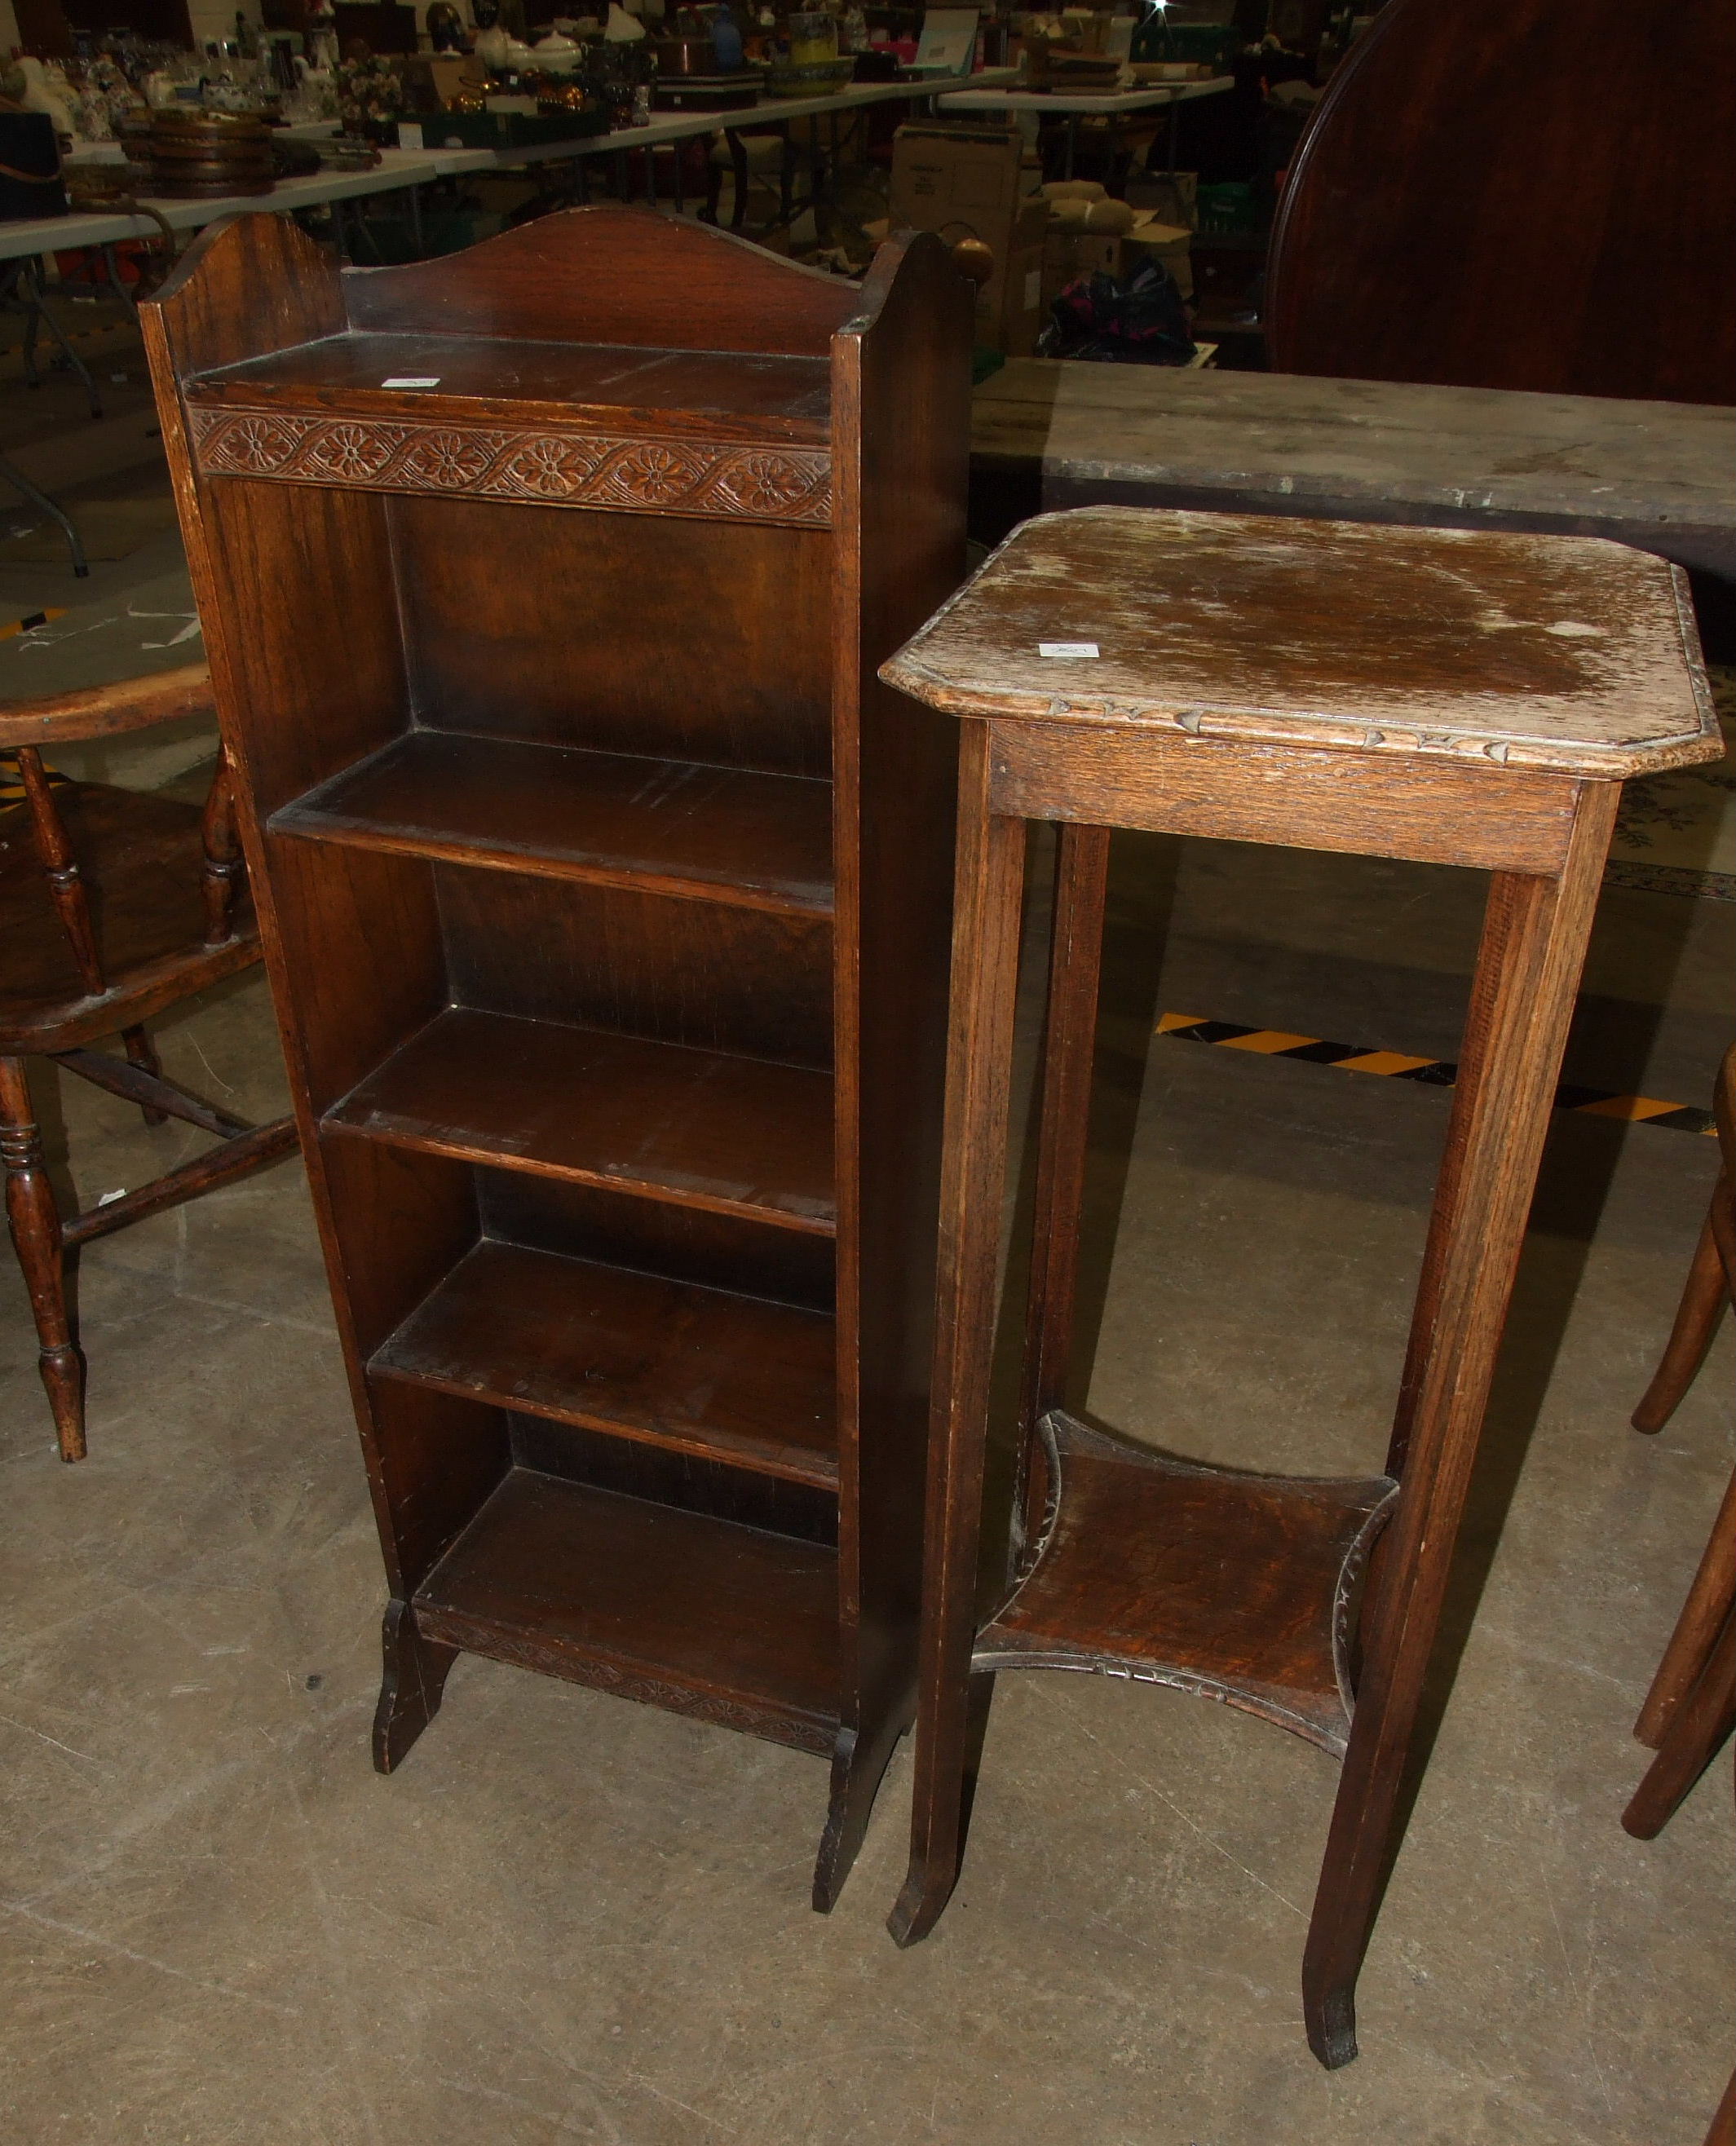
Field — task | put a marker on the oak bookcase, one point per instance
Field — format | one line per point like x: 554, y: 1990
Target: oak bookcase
x: 606, y: 896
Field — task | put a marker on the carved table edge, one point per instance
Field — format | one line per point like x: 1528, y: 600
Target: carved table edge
x: 1313, y: 730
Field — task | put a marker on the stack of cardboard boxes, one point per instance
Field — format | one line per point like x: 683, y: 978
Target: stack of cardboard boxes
x: 1069, y: 253
x: 975, y: 182
x: 983, y: 182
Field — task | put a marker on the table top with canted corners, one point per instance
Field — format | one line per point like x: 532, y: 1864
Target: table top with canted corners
x: 1570, y: 655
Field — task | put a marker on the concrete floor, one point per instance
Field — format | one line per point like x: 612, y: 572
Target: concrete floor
x: 569, y: 1917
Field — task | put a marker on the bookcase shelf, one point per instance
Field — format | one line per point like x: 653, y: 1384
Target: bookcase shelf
x: 608, y: 896
x: 700, y: 1370
x: 701, y: 1128
x: 722, y: 834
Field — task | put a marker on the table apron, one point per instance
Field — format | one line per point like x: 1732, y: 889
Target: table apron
x: 1428, y: 809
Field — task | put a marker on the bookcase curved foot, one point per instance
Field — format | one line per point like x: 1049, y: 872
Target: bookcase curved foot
x: 410, y: 1689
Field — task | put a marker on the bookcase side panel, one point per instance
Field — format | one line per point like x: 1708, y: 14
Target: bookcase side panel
x: 432, y: 1461
x: 901, y: 419
x: 315, y: 660
x: 359, y: 935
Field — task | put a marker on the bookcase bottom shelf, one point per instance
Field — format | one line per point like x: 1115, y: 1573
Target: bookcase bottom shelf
x: 700, y: 1615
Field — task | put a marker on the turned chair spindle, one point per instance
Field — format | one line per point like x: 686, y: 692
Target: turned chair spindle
x: 145, y: 905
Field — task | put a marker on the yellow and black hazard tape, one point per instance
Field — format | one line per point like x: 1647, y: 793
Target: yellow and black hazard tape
x: 29, y: 625
x: 1432, y: 1072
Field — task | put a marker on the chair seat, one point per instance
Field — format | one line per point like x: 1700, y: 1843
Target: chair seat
x: 142, y: 860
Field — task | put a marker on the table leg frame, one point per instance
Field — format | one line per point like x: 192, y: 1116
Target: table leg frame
x: 1527, y: 976
x: 1076, y: 969
x: 1529, y: 963
x: 988, y: 889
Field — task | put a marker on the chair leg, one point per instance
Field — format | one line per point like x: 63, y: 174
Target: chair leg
x: 1710, y: 1601
x: 1704, y: 1298
x: 1699, y: 1729
x: 141, y: 1052
x: 36, y: 1234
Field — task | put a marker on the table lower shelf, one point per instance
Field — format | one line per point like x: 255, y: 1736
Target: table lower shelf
x: 1238, y: 1586
x: 680, y: 1609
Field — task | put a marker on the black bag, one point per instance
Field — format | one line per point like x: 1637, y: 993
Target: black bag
x: 1141, y: 322
x: 30, y: 181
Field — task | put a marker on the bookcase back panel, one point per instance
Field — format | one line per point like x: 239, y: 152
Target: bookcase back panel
x: 657, y: 1237
x: 312, y: 632
x: 609, y: 274
x: 683, y: 640
x: 683, y: 1480
x: 699, y: 973
x: 360, y: 939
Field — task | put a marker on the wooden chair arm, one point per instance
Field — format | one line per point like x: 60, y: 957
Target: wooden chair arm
x: 95, y: 711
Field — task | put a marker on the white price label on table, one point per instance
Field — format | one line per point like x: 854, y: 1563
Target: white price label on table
x: 1077, y: 650
x: 411, y: 380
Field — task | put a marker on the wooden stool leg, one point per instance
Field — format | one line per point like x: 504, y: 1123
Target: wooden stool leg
x: 141, y: 1052
x: 1705, y: 1298
x: 1710, y: 1601
x: 1075, y: 968
x: 1522, y: 998
x: 989, y: 878
x: 36, y: 1232
x: 1699, y: 1729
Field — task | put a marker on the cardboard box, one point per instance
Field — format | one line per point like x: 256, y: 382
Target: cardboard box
x: 970, y: 183
x: 1172, y: 196
x: 1011, y: 308
x: 946, y: 176
x: 1151, y: 240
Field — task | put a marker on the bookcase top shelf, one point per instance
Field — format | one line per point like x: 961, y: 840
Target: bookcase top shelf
x: 490, y: 379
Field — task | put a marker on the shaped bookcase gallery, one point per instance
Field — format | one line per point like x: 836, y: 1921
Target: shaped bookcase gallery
x: 607, y: 897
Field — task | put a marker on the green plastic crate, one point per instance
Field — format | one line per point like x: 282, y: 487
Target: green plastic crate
x: 1226, y: 209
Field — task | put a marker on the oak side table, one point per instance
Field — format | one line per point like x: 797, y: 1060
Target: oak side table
x: 1456, y: 696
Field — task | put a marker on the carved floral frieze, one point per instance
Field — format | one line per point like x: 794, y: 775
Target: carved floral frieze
x: 562, y: 469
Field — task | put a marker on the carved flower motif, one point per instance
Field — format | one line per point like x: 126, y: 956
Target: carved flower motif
x: 767, y: 484
x: 551, y: 468
x: 350, y: 451
x: 654, y: 476
x: 256, y: 444
x: 454, y: 462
